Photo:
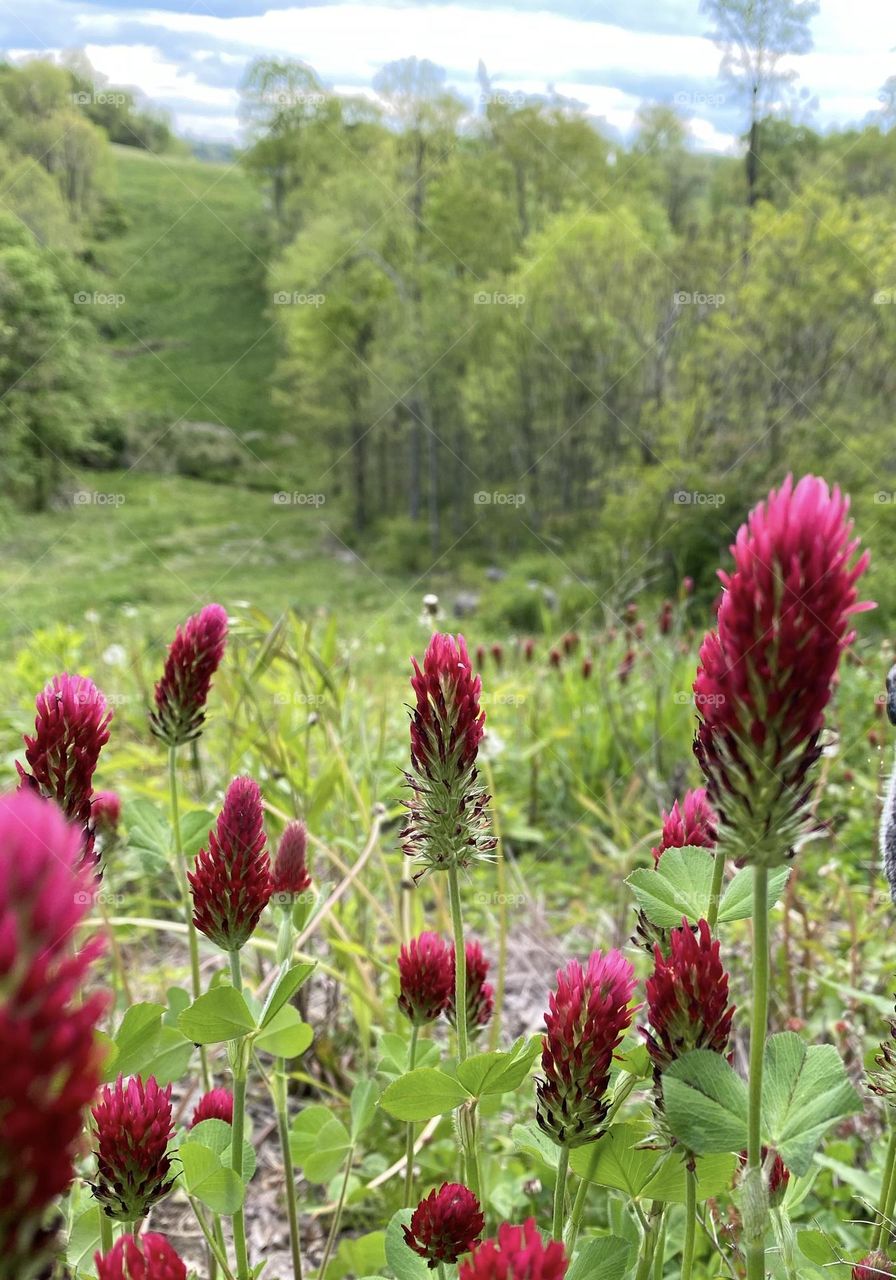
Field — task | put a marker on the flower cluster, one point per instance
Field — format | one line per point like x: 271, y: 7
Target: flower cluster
x: 193, y: 658
x: 149, y: 1257
x: 231, y: 881
x: 776, y: 1172
x: 883, y: 1081
x: 105, y: 810
x: 426, y: 978
x: 690, y: 823
x: 518, y: 1253
x: 70, y: 730
x: 289, y: 875
x: 50, y: 1066
x: 448, y: 821
x: 480, y: 994
x: 765, y: 674
x: 445, y: 1225
x: 588, y: 1016
x: 874, y: 1266
x: 217, y: 1104
x: 133, y: 1129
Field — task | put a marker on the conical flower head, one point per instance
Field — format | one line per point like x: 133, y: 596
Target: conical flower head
x: 133, y: 1129
x: 448, y: 824
x: 690, y: 823
x: 765, y: 674
x: 445, y: 1225
x: 290, y: 875
x: 70, y: 730
x: 149, y: 1257
x: 231, y: 882
x: 687, y: 1000
x: 193, y: 658
x: 480, y: 994
x: 883, y: 1081
x: 105, y: 810
x: 518, y: 1253
x: 874, y: 1266
x: 588, y: 1016
x: 426, y: 978
x: 50, y: 1065
x: 217, y: 1104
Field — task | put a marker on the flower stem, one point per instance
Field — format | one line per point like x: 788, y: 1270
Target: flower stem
x: 690, y: 1223
x: 337, y: 1216
x: 181, y: 871
x: 885, y: 1188
x: 292, y: 1213
x: 240, y: 1071
x: 755, y: 1236
x: 715, y: 892
x: 650, y: 1239
x: 106, y: 1240
x: 409, y: 1149
x: 460, y: 964
x: 560, y: 1193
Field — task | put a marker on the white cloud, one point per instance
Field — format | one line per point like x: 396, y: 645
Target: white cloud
x: 145, y: 67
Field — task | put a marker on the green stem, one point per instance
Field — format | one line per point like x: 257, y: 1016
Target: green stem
x: 624, y: 1084
x: 560, y: 1193
x: 755, y: 1240
x: 885, y: 1188
x: 240, y: 1071
x: 715, y: 892
x: 690, y: 1223
x: 649, y: 1241
x: 888, y: 1208
x: 409, y: 1148
x: 460, y: 964
x: 180, y: 862
x: 292, y: 1211
x: 106, y: 1240
x: 213, y: 1239
x: 337, y: 1216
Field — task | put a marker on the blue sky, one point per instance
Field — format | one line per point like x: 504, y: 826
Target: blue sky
x: 190, y: 55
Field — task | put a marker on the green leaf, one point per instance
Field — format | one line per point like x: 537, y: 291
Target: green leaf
x: 170, y: 1056
x: 149, y: 835
x: 217, y: 1135
x: 680, y: 885
x: 358, y: 1255
x: 136, y: 1038
x: 715, y: 1174
x: 487, y: 1073
x: 605, y: 1258
x: 406, y: 1264
x: 737, y: 900
x: 422, y: 1094
x: 395, y: 1050
x: 194, y: 829
x: 615, y: 1160
x: 286, y: 1035
x: 364, y: 1098
x: 805, y: 1090
x: 529, y: 1139
x: 706, y: 1103
x: 319, y: 1143
x: 287, y: 984
x: 221, y: 1014
x: 206, y: 1178
x: 84, y: 1241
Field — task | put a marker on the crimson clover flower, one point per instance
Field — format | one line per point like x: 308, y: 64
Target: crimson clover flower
x: 148, y: 1257
x: 217, y: 1104
x: 687, y: 1000
x: 766, y: 672
x: 874, y: 1266
x: 193, y: 658
x: 448, y: 821
x: 70, y: 730
x: 776, y: 1171
x: 231, y: 881
x: 480, y: 994
x: 50, y: 1067
x: 133, y: 1129
x: 883, y: 1081
x: 445, y: 1224
x: 518, y: 1253
x: 105, y: 810
x: 690, y: 823
x: 588, y: 1016
x: 426, y: 978
x: 290, y: 876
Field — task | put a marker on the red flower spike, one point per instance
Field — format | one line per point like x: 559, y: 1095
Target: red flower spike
x: 289, y: 874
x: 766, y: 672
x: 70, y: 730
x: 426, y: 978
x: 217, y: 1104
x: 687, y: 1000
x: 51, y: 1064
x: 874, y: 1266
x: 448, y: 823
x: 193, y: 658
x: 446, y: 1224
x: 231, y: 882
x: 150, y: 1257
x: 480, y: 994
x: 588, y: 1016
x: 518, y: 1253
x: 133, y: 1129
x: 691, y: 823
x: 105, y: 810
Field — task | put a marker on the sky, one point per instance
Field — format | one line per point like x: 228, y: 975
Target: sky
x: 610, y: 55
